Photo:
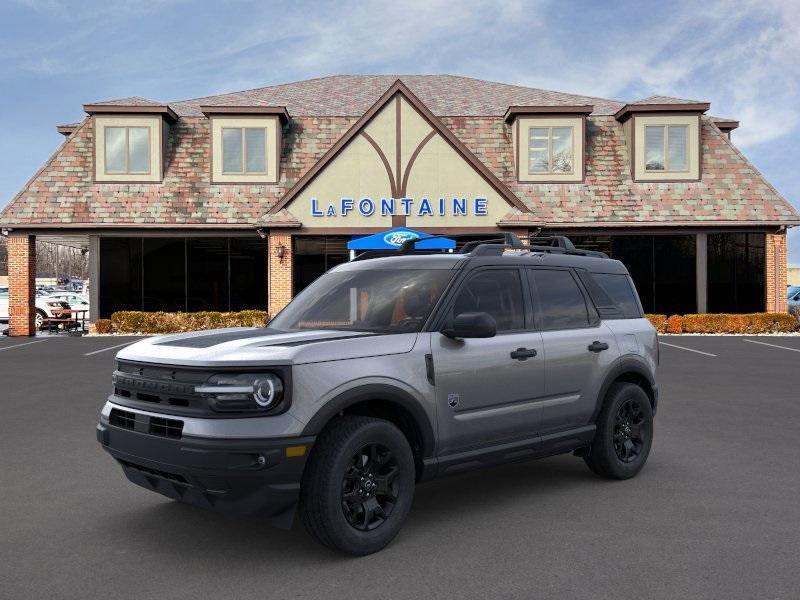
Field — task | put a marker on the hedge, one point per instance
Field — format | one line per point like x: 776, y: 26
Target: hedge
x: 132, y: 321
x: 751, y: 323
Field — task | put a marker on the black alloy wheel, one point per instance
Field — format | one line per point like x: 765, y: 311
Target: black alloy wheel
x: 624, y: 432
x: 370, y: 487
x: 628, y: 433
x: 358, y: 484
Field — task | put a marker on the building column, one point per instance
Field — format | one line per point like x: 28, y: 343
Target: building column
x: 775, y: 273
x: 21, y: 284
x: 94, y: 277
x: 279, y: 260
x: 701, y: 272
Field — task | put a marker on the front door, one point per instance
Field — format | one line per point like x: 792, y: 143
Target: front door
x: 487, y: 389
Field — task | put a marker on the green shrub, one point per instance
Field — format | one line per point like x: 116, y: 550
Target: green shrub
x: 132, y: 321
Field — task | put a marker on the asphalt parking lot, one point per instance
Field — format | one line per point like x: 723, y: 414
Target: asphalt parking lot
x: 715, y: 514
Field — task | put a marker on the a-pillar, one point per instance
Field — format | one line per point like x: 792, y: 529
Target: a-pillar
x: 21, y: 284
x: 280, y: 270
x: 776, y: 273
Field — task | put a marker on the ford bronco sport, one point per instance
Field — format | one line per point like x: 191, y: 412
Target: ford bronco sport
x: 387, y: 371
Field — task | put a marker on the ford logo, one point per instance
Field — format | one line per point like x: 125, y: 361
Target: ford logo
x: 396, y: 238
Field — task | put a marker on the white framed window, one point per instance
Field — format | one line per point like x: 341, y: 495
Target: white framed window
x: 127, y: 150
x: 666, y: 148
x: 244, y: 150
x: 550, y: 150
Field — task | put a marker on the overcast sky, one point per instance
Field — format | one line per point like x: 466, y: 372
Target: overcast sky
x: 742, y: 56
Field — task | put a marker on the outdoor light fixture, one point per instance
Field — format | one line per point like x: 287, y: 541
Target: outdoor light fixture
x: 280, y: 252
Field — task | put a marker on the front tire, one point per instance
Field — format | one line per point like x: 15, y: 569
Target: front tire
x: 39, y: 318
x: 624, y: 433
x: 358, y: 486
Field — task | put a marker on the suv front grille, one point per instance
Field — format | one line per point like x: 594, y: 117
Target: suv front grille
x: 161, y: 387
x: 172, y: 428
x: 124, y: 419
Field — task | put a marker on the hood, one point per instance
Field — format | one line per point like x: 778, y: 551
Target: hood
x: 260, y: 346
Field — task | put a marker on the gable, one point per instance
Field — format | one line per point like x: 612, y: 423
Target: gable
x: 399, y: 162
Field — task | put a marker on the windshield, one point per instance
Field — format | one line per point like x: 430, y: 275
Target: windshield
x: 380, y: 301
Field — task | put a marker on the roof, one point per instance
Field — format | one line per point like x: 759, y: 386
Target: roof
x: 130, y: 101
x: 665, y: 100
x: 63, y: 194
x: 353, y: 95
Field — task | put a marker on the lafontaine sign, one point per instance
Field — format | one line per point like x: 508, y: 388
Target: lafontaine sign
x: 422, y: 207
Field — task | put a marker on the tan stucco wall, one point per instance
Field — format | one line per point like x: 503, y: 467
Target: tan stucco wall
x: 156, y: 147
x: 526, y: 123
x: 358, y: 172
x: 640, y: 122
x: 270, y: 123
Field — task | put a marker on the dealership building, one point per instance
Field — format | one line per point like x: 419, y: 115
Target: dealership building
x: 240, y: 200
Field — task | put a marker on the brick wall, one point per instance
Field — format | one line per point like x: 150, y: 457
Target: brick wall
x: 776, y: 273
x: 21, y: 284
x: 280, y: 271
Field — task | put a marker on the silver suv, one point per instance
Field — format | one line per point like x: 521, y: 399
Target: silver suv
x: 387, y: 371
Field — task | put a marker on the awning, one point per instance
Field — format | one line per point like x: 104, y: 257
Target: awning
x: 394, y: 238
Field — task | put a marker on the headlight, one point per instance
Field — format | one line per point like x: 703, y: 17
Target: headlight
x: 242, y: 392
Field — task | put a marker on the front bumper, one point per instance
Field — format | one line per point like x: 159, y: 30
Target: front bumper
x: 239, y: 476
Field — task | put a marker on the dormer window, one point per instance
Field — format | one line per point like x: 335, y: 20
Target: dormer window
x: 244, y: 150
x: 550, y: 150
x: 127, y: 150
x: 663, y: 138
x: 666, y: 148
x: 548, y: 142
x: 129, y: 140
x: 245, y: 143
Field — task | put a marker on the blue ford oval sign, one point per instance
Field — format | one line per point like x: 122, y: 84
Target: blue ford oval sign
x: 396, y: 238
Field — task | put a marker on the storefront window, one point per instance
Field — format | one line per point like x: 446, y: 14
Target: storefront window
x: 120, y: 275
x: 313, y: 255
x: 663, y: 267
x: 736, y: 272
x: 182, y: 274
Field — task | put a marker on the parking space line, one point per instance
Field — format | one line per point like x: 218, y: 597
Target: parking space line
x: 110, y: 348
x: 771, y: 345
x: 20, y: 345
x: 687, y: 349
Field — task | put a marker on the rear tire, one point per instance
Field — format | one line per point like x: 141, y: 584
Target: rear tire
x: 624, y: 433
x: 357, y: 488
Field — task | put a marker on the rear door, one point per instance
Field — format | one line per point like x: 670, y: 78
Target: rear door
x: 578, y: 348
x: 487, y: 389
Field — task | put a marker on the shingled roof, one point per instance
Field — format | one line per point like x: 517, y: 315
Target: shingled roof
x: 352, y: 95
x: 731, y: 191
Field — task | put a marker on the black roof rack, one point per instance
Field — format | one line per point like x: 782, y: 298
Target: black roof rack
x: 553, y: 244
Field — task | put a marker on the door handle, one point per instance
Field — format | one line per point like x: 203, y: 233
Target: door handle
x: 523, y: 353
x: 596, y: 346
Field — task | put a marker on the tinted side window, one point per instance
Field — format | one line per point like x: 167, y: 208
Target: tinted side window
x: 497, y: 292
x: 621, y: 291
x: 560, y: 301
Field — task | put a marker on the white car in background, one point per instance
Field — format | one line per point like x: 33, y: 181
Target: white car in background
x: 75, y: 300
x: 47, y: 307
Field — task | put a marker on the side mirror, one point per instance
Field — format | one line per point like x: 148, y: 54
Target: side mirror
x: 472, y: 325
